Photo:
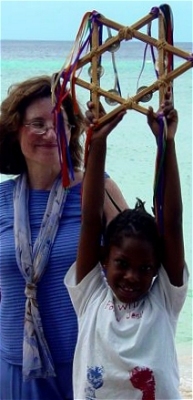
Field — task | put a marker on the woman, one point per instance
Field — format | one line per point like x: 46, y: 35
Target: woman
x: 40, y: 224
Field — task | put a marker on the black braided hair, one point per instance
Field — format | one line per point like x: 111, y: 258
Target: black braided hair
x: 136, y: 223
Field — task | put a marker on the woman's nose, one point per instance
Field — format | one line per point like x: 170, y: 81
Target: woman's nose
x: 50, y: 132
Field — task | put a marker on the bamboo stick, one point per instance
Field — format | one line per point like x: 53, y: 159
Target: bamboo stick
x: 132, y: 102
x: 161, y: 56
x: 94, y: 68
x: 138, y: 35
x: 163, y: 80
x: 138, y: 25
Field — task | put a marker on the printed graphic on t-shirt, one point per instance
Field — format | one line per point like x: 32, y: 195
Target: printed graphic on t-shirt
x: 142, y: 378
x: 125, y: 311
x: 95, y: 381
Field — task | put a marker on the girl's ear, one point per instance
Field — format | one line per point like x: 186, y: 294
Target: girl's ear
x: 156, y: 269
x: 102, y: 255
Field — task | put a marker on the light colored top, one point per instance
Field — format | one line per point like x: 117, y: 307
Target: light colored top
x: 125, y: 351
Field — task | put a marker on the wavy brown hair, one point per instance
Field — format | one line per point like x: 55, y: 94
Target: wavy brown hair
x: 12, y: 111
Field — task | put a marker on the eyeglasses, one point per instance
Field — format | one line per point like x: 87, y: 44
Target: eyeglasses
x: 40, y: 128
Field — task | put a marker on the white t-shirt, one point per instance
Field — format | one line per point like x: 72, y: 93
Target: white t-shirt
x: 125, y: 351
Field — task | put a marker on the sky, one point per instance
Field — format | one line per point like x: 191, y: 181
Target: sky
x: 60, y: 20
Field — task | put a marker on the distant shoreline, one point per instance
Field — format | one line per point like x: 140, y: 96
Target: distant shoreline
x: 69, y: 41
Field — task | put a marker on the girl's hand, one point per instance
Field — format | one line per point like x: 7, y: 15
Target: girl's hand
x: 101, y: 132
x: 171, y: 117
x: 104, y: 130
x: 90, y: 119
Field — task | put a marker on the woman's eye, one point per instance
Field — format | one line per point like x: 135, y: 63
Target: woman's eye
x: 38, y: 124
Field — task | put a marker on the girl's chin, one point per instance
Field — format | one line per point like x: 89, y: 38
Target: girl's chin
x: 127, y: 297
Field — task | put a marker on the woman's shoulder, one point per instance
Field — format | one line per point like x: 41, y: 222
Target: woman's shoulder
x: 6, y: 194
x: 114, y: 200
x: 6, y: 186
x: 6, y: 203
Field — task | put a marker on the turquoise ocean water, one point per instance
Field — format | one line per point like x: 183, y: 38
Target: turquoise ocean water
x: 132, y: 152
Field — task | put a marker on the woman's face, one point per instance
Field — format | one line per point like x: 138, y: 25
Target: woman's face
x: 37, y: 147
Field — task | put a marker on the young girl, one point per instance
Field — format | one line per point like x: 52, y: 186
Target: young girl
x: 128, y: 300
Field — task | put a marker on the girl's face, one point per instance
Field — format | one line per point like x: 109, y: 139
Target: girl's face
x: 37, y: 147
x: 130, y: 269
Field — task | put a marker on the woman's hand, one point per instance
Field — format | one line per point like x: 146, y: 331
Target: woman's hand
x: 171, y: 117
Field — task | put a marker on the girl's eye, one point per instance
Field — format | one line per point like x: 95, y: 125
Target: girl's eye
x: 121, y: 263
x: 146, y: 268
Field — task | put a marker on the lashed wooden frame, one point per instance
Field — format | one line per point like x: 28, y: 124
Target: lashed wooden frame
x: 128, y: 33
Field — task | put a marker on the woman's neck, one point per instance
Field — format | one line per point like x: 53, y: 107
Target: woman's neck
x: 78, y: 176
x: 42, y: 178
x: 44, y: 181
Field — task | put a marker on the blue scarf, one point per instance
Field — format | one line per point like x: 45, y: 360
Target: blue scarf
x: 32, y: 262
